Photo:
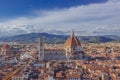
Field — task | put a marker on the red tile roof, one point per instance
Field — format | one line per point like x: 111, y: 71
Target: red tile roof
x: 6, y: 46
x: 72, y: 41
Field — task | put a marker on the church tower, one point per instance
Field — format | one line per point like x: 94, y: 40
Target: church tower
x: 41, y: 49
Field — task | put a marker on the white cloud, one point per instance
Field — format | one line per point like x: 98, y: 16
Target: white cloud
x: 93, y: 19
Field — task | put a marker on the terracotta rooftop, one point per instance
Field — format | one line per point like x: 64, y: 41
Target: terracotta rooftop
x: 72, y: 41
x: 6, y: 46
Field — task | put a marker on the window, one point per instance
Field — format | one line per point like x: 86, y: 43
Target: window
x: 73, y: 49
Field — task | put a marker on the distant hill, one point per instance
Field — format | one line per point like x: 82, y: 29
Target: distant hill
x: 51, y: 38
x: 33, y: 37
x: 97, y: 39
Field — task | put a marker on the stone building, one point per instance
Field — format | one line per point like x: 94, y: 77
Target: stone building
x: 5, y: 49
x: 72, y: 50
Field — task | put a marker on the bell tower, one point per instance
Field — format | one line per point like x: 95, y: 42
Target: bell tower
x: 41, y: 48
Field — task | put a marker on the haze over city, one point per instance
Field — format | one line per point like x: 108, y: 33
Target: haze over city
x: 86, y: 17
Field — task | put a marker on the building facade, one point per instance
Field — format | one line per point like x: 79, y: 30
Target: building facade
x: 41, y: 49
x: 72, y: 50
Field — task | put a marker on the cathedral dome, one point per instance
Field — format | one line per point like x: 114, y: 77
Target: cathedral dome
x: 72, y: 41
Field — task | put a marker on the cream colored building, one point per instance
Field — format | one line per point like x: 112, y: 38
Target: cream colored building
x: 72, y: 50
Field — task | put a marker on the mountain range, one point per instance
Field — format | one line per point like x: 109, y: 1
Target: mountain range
x: 52, y: 38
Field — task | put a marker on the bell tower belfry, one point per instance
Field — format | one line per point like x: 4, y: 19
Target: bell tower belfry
x: 41, y: 48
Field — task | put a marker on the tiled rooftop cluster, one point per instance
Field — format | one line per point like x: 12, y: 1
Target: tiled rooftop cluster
x: 103, y: 63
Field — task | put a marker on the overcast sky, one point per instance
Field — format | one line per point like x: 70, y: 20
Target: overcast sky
x: 85, y: 17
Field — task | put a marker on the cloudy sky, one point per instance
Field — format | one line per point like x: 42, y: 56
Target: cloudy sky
x: 85, y: 17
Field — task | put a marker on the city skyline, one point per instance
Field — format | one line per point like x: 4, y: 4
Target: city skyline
x: 85, y: 17
x: 59, y: 40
